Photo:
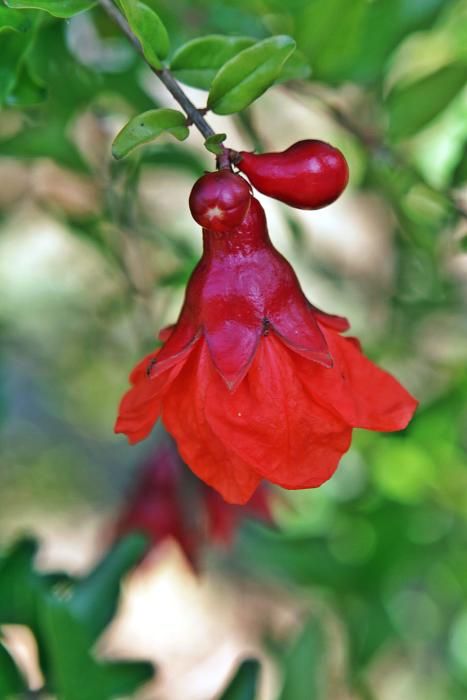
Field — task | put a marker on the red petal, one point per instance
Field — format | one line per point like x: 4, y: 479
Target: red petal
x: 141, y: 369
x: 270, y: 422
x: 232, y: 330
x: 178, y: 345
x: 297, y: 327
x: 184, y: 417
x: 137, y: 423
x: 222, y: 517
x: 165, y: 333
x: 141, y: 405
x: 337, y: 323
x: 362, y: 393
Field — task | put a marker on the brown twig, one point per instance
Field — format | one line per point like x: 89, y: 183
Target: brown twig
x: 194, y: 115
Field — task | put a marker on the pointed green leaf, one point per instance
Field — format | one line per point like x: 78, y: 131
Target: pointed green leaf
x: 19, y: 584
x: 244, y: 684
x: 197, y: 62
x: 146, y: 127
x: 213, y: 142
x: 11, y: 681
x: 57, y: 8
x: 148, y: 27
x: 74, y: 672
x: 248, y: 74
x: 95, y: 598
x: 304, y: 664
x: 413, y: 106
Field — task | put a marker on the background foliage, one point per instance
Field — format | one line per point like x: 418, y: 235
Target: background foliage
x: 94, y: 254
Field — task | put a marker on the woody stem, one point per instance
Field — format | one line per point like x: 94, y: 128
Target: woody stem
x: 165, y: 76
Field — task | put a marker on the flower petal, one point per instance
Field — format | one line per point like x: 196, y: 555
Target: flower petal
x: 140, y: 407
x: 178, y: 345
x: 139, y: 372
x: 271, y: 423
x: 183, y: 414
x: 362, y: 393
x: 295, y: 323
x: 337, y: 323
x: 232, y: 330
x: 165, y: 333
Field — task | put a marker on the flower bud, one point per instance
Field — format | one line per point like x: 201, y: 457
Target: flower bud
x: 219, y: 201
x: 309, y: 175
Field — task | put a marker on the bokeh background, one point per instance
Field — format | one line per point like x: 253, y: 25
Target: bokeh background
x: 94, y: 256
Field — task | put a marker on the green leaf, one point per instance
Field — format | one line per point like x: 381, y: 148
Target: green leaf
x: 213, y: 142
x: 384, y: 26
x: 175, y: 156
x: 11, y: 681
x: 296, y: 67
x: 248, y: 74
x: 244, y: 683
x: 14, y: 19
x: 95, y: 598
x: 329, y: 34
x: 26, y: 92
x: 352, y: 41
x: 146, y: 127
x: 74, y: 672
x: 149, y: 29
x: 46, y: 141
x: 16, y: 41
x: 19, y: 585
x: 197, y: 62
x: 13, y: 47
x: 303, y: 667
x: 125, y: 677
x: 413, y: 106
x: 459, y: 176
x: 57, y: 8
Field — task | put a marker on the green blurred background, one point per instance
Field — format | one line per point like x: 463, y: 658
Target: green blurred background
x: 94, y: 256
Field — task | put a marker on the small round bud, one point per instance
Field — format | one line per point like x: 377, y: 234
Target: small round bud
x: 219, y: 201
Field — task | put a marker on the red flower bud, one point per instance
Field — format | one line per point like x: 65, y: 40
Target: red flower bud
x: 224, y: 518
x: 309, y: 175
x: 253, y: 381
x: 220, y: 200
x: 166, y: 503
x: 155, y: 505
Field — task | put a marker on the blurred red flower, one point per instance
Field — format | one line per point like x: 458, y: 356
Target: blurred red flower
x: 253, y: 381
x: 167, y: 504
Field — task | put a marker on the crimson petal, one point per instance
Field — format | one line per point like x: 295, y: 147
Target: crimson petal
x: 362, y: 393
x: 233, y: 341
x: 297, y: 327
x: 179, y: 343
x: 140, y: 407
x: 337, y: 323
x: 183, y: 414
x: 271, y: 423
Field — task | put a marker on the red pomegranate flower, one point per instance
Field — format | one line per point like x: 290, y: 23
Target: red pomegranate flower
x: 168, y: 503
x: 157, y: 505
x: 253, y: 381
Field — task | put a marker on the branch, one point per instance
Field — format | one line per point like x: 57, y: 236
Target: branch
x: 165, y: 76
